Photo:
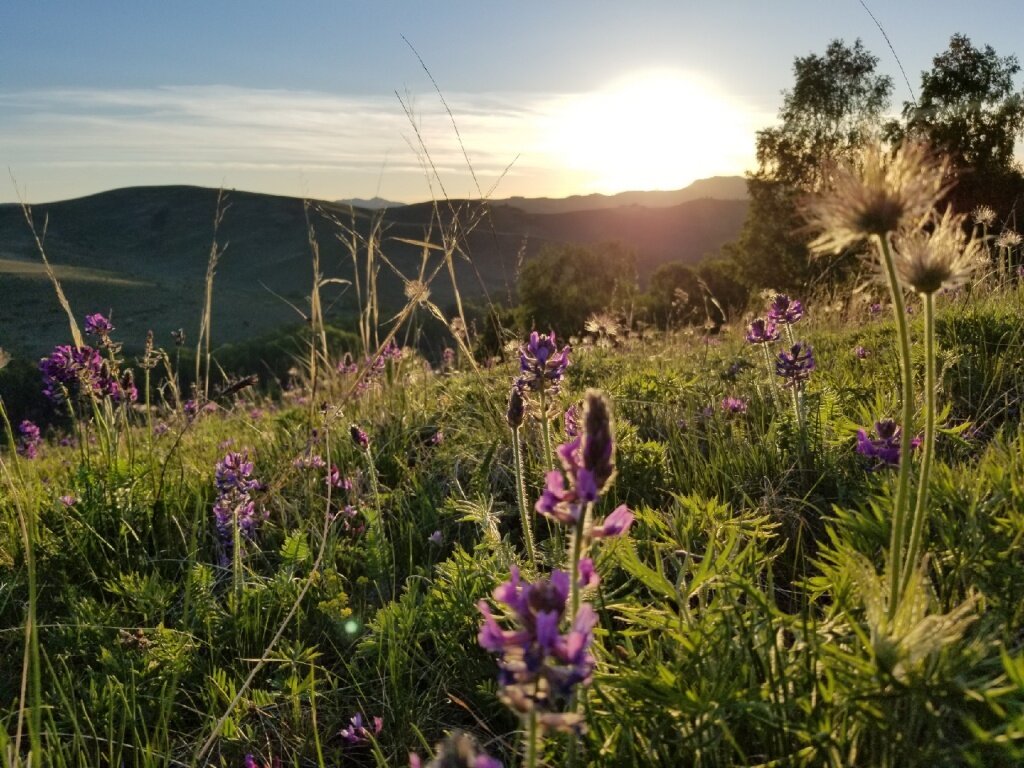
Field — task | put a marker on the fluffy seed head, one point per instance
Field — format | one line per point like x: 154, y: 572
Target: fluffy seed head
x: 1008, y: 239
x: 878, y: 196
x: 984, y: 215
x: 943, y: 257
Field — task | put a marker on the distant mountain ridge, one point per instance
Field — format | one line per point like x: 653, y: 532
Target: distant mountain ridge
x: 141, y: 253
x: 717, y: 188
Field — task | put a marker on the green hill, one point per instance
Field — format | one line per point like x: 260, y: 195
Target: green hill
x: 141, y: 253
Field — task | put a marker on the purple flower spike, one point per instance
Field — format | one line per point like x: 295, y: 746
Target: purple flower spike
x: 541, y: 364
x: 885, y: 448
x: 359, y: 437
x: 97, y: 325
x: 357, y: 732
x: 762, y: 331
x: 539, y: 666
x: 784, y: 310
x: 734, y: 405
x: 796, y: 365
x: 28, y: 439
x: 234, y: 504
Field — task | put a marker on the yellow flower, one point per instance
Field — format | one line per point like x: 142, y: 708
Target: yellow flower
x: 942, y: 257
x: 878, y: 196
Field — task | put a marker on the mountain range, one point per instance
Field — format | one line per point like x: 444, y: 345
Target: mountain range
x: 140, y: 253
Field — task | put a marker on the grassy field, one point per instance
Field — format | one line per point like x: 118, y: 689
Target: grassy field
x: 794, y: 543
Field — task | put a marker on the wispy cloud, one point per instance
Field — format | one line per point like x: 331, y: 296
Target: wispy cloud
x: 64, y: 142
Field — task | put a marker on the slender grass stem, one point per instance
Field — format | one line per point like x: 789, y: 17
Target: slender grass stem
x: 532, y: 740
x: 928, y: 453
x: 900, y: 507
x: 545, y: 429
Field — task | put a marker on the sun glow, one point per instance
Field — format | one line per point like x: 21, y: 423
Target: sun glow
x: 653, y: 130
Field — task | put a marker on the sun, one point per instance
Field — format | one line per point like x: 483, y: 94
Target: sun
x: 651, y: 130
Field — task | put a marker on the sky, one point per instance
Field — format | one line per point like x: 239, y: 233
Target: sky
x: 410, y: 101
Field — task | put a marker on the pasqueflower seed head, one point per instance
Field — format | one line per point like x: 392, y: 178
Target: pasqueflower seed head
x: 984, y: 215
x: 878, y: 195
x: 943, y: 257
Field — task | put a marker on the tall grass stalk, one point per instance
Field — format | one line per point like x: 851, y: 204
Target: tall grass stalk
x: 203, y: 341
x: 524, y: 514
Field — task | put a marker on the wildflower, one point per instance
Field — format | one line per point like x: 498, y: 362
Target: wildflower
x: 457, y: 751
x: 1008, y: 239
x: 941, y: 258
x: 234, y: 504
x: 72, y: 371
x: 191, y: 409
x: 448, y: 358
x: 984, y: 215
x: 436, y: 538
x: 97, y: 325
x: 356, y: 732
x: 359, y: 437
x: 347, y: 365
x: 309, y: 461
x: 160, y: 428
x: 784, y: 310
x: 335, y: 479
x: 734, y: 405
x: 572, y: 421
x: 68, y: 500
x: 516, y: 408
x: 541, y: 364
x: 539, y: 667
x: 886, y: 446
x: 796, y: 365
x: 875, y: 309
x: 877, y: 196
x: 616, y: 524
x: 179, y: 337
x: 762, y: 331
x: 587, y: 574
x: 250, y: 762
x: 861, y: 352
x: 28, y: 439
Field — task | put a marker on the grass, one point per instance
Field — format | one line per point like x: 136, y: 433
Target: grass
x: 736, y: 624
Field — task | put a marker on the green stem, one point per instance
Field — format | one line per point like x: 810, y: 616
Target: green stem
x: 899, y: 522
x: 545, y: 430
x: 928, y: 454
x: 524, y: 515
x: 575, y: 555
x: 532, y: 740
x: 771, y: 373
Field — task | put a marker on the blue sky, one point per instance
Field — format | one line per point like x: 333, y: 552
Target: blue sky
x: 299, y: 98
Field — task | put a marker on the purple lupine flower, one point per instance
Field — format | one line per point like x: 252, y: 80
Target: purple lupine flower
x: 234, y: 504
x: 191, y: 409
x: 784, y: 310
x: 457, y: 751
x: 250, y: 762
x: 885, y: 448
x: 616, y: 524
x: 347, y: 365
x: 862, y: 353
x: 97, y: 325
x: 587, y: 574
x: 796, y: 365
x: 436, y: 538
x: 337, y: 480
x: 68, y: 500
x: 28, y: 439
x: 357, y: 732
x: 359, y: 437
x: 541, y: 364
x: 572, y: 421
x: 539, y: 666
x: 73, y: 371
x: 762, y: 331
x: 875, y: 309
x: 309, y: 461
x: 562, y: 503
x: 734, y: 405
x: 160, y: 428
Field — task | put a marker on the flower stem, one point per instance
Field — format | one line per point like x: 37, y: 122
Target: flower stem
x: 900, y: 510
x: 532, y: 740
x: 921, y: 508
x: 545, y: 429
x: 524, y: 515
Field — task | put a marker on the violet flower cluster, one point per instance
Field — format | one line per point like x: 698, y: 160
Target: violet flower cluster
x: 457, y: 751
x: 784, y: 310
x: 235, y: 505
x: 358, y: 732
x: 734, y: 405
x: 28, y: 439
x: 539, y: 666
x: 541, y: 364
x: 97, y: 325
x: 795, y: 366
x: 762, y: 331
x: 82, y: 372
x: 885, y: 448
